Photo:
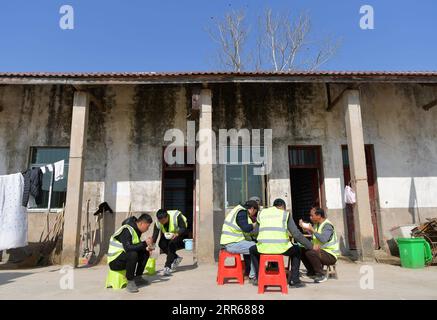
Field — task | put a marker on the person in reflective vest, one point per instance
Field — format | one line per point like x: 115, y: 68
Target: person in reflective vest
x: 127, y: 252
x: 237, y: 231
x: 326, y: 248
x: 275, y: 228
x: 173, y: 227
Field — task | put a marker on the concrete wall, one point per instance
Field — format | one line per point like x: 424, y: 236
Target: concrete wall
x: 123, y: 163
x: 125, y: 139
x: 403, y: 134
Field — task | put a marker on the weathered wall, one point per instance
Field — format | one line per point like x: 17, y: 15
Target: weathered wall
x: 403, y: 134
x: 125, y: 139
x: 123, y: 161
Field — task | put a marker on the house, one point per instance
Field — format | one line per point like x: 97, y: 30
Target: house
x: 373, y: 130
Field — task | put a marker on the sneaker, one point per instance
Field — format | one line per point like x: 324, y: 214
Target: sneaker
x: 321, y: 278
x: 299, y: 284
x: 167, y: 271
x: 310, y: 275
x: 254, y: 281
x: 131, y: 287
x: 140, y: 281
x: 176, y: 263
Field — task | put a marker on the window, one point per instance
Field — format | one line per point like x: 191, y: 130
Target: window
x: 41, y: 156
x: 241, y: 182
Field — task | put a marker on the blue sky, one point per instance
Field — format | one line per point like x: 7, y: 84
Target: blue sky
x: 134, y: 35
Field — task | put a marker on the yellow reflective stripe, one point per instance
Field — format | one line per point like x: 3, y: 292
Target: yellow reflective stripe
x: 235, y: 226
x: 284, y: 219
x: 116, y: 244
x: 273, y: 241
x: 328, y: 244
x: 275, y: 229
x: 232, y: 234
x: 175, y: 221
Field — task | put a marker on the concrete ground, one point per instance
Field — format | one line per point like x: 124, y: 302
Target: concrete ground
x: 191, y: 282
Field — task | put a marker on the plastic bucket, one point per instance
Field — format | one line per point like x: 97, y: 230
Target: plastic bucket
x: 414, y: 252
x: 188, y: 244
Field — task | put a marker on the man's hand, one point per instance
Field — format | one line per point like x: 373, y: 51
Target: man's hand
x: 149, y: 241
x: 316, y: 247
x: 175, y: 235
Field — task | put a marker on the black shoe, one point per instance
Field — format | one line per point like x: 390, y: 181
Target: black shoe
x: 131, y: 287
x: 140, y: 281
x: 320, y: 278
x: 254, y: 281
x: 299, y: 284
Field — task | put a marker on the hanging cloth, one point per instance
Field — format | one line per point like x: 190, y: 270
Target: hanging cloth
x: 59, y: 170
x: 13, y: 216
x: 349, y: 195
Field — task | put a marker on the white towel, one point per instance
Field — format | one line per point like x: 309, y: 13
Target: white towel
x: 13, y: 216
x: 50, y: 167
x: 59, y: 170
x: 43, y: 169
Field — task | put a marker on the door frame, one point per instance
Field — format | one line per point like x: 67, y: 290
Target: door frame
x: 319, y: 167
x: 189, y: 167
x: 369, y: 154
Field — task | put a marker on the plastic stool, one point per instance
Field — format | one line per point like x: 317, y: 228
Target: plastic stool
x: 272, y: 278
x: 235, y: 271
x: 116, y: 279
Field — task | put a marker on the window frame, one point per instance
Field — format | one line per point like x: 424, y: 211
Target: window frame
x: 245, y: 165
x: 37, y: 165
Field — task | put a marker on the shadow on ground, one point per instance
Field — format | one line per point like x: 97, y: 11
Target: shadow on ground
x: 9, y: 277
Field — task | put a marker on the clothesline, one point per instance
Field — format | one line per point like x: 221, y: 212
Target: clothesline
x: 57, y: 167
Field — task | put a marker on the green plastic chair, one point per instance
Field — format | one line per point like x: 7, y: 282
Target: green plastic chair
x: 116, y: 279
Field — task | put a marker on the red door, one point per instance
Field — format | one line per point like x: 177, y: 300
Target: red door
x: 371, y: 181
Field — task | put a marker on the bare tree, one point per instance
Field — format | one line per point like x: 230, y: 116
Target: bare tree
x: 283, y: 43
x: 231, y: 35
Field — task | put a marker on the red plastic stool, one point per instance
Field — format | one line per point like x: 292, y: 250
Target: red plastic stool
x: 235, y: 271
x: 272, y: 278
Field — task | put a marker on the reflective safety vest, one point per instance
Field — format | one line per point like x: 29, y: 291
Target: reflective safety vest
x: 116, y: 247
x: 332, y: 246
x: 172, y: 222
x: 273, y: 237
x: 231, y: 231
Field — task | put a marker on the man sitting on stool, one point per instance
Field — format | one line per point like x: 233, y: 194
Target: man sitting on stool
x: 127, y: 251
x: 275, y: 224
x: 174, y: 224
x: 325, y: 245
x: 238, y: 230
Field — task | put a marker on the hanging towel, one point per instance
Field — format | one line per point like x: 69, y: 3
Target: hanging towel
x: 13, y: 216
x: 43, y: 169
x: 50, y: 167
x: 59, y: 170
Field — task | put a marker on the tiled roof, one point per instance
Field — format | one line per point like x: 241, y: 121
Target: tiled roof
x: 214, y: 73
x: 84, y: 78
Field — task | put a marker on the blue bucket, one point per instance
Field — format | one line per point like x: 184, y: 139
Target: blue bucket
x: 188, y: 244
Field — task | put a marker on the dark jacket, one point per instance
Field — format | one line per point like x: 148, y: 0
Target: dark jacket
x: 242, y: 221
x: 297, y: 235
x: 32, y: 186
x: 126, y: 238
